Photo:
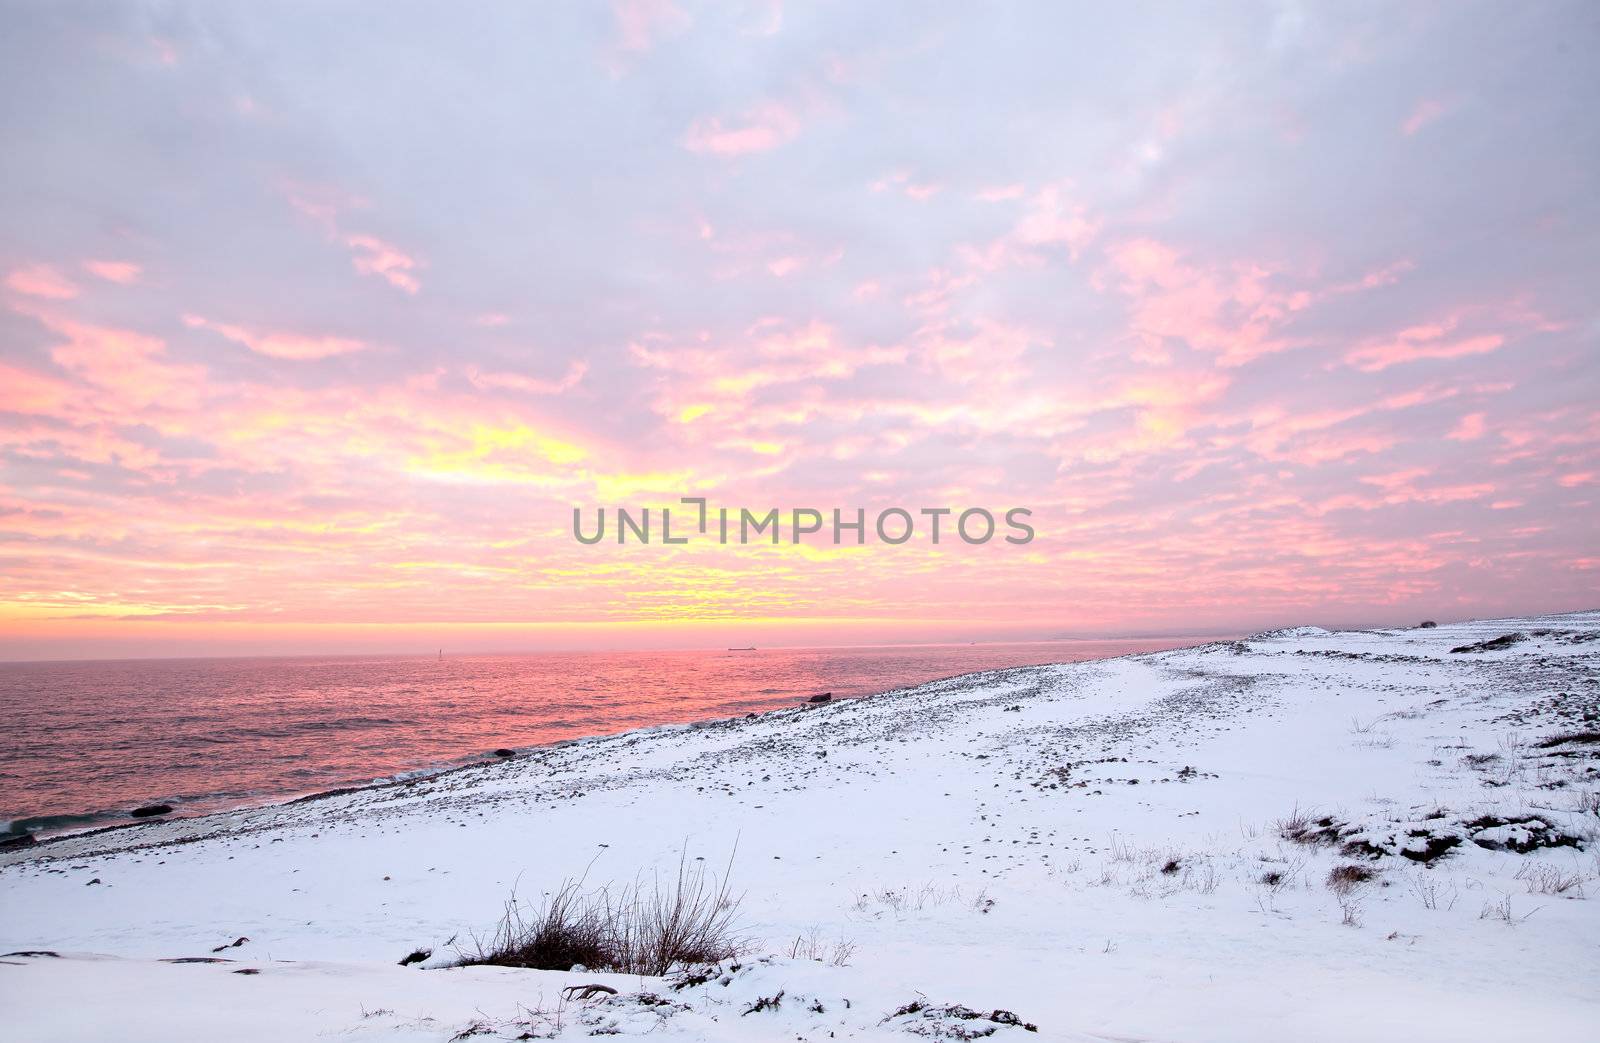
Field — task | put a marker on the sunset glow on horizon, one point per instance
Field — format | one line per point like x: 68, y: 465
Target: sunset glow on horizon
x: 311, y: 342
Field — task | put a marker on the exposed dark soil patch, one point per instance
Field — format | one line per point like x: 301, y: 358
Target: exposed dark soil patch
x: 1570, y: 739
x: 1324, y: 831
x: 1494, y: 644
x: 1434, y: 847
x: 1522, y: 835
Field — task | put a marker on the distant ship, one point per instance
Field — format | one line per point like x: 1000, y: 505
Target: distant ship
x: 751, y: 648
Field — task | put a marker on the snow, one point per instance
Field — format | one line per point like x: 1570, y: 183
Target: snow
x: 1285, y: 632
x: 1095, y: 848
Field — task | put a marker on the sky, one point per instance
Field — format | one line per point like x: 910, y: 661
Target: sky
x: 318, y: 320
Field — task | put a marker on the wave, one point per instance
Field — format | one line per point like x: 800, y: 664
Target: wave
x: 59, y: 823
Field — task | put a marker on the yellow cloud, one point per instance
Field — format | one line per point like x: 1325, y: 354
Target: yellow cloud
x: 501, y: 454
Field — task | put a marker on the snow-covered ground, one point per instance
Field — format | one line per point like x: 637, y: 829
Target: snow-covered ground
x: 1133, y: 849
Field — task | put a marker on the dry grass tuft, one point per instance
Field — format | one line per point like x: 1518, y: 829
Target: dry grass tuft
x: 633, y: 929
x: 1348, y: 876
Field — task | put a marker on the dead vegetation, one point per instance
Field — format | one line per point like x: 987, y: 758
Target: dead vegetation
x: 812, y: 946
x: 1542, y: 878
x: 902, y: 901
x: 632, y: 929
x: 1344, y: 878
x: 1309, y: 828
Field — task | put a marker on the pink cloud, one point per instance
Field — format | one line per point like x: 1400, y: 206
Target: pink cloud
x: 533, y: 385
x: 1426, y: 341
x: 1396, y: 480
x: 24, y: 391
x: 1054, y: 220
x: 279, y: 345
x: 43, y: 281
x: 1426, y: 111
x: 1001, y: 193
x: 1233, y: 312
x: 326, y: 205
x: 166, y: 50
x: 919, y: 192
x: 641, y: 24
x: 1469, y: 429
x: 376, y: 257
x: 123, y: 273
x: 1407, y: 486
x: 759, y: 130
x: 1051, y: 221
x: 120, y: 371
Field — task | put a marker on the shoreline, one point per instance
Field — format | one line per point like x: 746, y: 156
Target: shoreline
x: 9, y: 841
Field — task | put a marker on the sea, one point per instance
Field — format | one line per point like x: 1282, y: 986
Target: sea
x: 84, y: 743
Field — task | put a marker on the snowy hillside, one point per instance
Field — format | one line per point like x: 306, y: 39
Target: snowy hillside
x: 1305, y: 835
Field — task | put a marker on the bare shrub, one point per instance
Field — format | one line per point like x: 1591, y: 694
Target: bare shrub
x: 1349, y: 908
x: 1295, y: 825
x: 1503, y: 912
x: 567, y: 929
x: 811, y: 946
x: 1430, y: 894
x: 1286, y: 873
x: 631, y: 929
x: 1542, y: 878
x: 1202, y: 879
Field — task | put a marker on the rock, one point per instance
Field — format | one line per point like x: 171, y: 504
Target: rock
x: 1426, y: 624
x: 20, y: 840
x: 151, y: 810
x: 503, y: 752
x: 825, y: 697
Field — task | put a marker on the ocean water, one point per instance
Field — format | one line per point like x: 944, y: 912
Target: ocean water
x: 83, y: 743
